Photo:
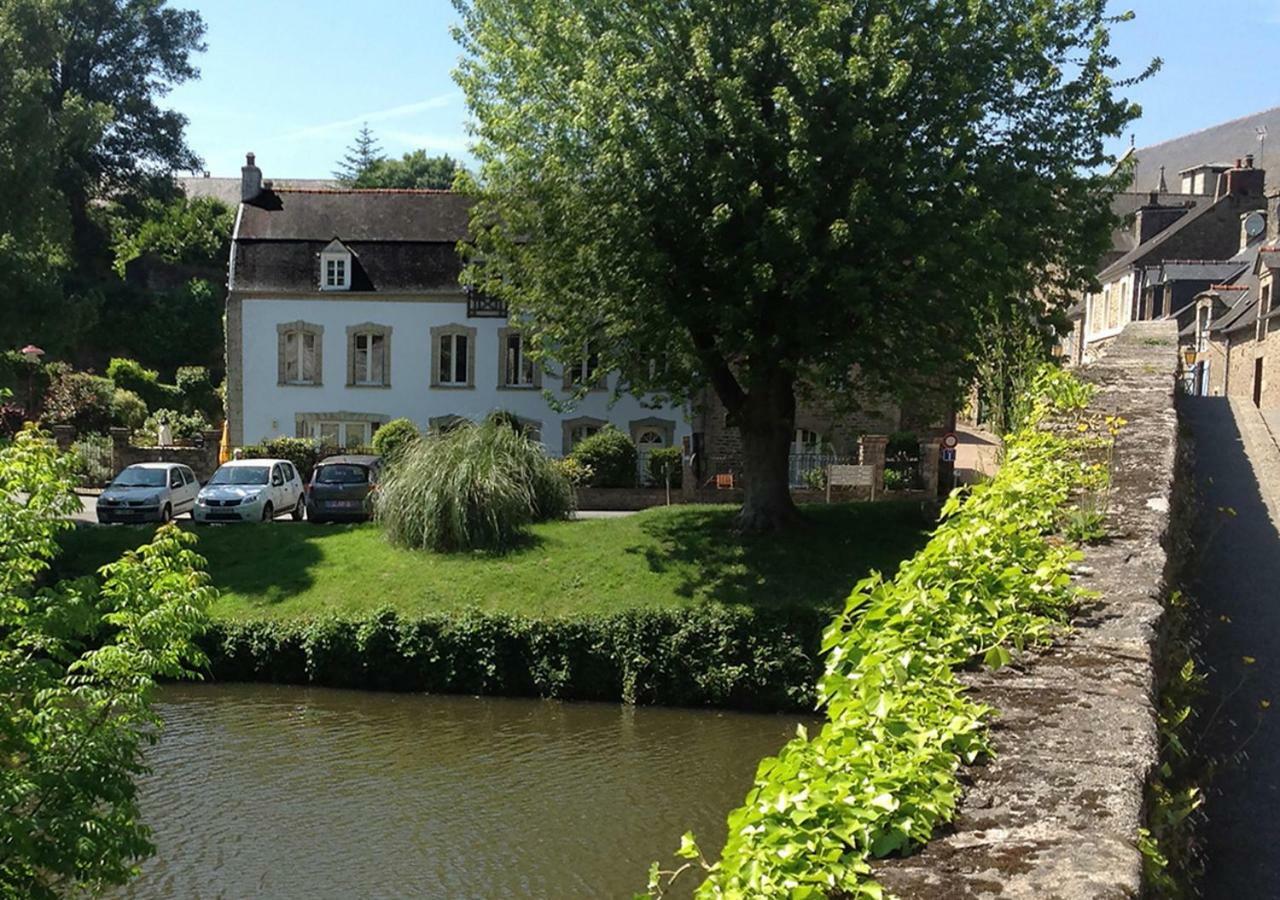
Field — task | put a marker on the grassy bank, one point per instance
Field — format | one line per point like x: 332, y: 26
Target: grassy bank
x: 671, y: 557
x: 669, y: 606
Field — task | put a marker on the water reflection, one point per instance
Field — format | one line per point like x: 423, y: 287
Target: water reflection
x: 268, y: 791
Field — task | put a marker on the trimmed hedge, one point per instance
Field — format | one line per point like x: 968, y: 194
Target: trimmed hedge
x: 708, y: 655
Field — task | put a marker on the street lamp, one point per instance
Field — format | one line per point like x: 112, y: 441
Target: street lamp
x: 31, y: 353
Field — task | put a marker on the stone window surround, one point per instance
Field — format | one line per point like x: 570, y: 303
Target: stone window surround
x: 666, y: 427
x: 301, y: 327
x: 567, y: 426
x: 536, y: 384
x: 469, y: 333
x: 303, y: 421
x: 369, y: 328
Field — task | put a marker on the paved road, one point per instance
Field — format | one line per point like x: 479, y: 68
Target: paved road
x: 1237, y: 467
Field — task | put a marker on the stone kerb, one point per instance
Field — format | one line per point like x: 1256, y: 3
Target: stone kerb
x: 1056, y: 813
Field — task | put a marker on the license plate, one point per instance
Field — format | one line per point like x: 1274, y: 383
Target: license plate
x: 344, y: 504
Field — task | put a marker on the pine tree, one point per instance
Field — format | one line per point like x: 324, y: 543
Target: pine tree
x: 362, y: 154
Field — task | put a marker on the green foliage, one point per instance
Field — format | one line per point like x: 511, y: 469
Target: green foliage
x: 611, y: 457
x: 304, y: 453
x: 183, y: 427
x: 704, y: 655
x: 92, y: 457
x: 666, y: 463
x: 903, y: 444
x: 414, y: 170
x: 393, y: 438
x: 193, y: 232
x: 127, y: 409
x: 476, y: 487
x: 12, y: 417
x: 78, y: 661
x: 133, y: 376
x: 574, y: 471
x: 686, y: 168
x: 195, y: 387
x: 881, y: 774
x: 81, y: 400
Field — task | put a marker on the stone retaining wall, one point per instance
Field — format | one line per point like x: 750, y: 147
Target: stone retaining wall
x: 1056, y: 814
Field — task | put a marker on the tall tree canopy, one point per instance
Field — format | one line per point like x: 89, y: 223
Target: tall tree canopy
x: 413, y: 170
x: 761, y: 195
x: 82, y: 130
x: 363, y: 153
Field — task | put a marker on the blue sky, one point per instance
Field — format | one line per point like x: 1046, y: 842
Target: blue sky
x: 293, y: 80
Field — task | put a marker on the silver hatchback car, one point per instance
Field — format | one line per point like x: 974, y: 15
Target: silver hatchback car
x: 148, y: 492
x: 251, y: 490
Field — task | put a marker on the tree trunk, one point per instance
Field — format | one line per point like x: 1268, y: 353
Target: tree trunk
x: 766, y: 420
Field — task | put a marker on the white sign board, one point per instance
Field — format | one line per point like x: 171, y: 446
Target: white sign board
x: 850, y: 476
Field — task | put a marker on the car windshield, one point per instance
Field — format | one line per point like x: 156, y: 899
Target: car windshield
x: 240, y: 475
x: 136, y: 476
x: 342, y: 473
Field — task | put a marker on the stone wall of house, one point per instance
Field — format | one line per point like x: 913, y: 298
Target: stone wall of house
x: 1056, y: 813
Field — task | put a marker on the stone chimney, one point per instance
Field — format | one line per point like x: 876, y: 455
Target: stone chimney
x: 250, y: 180
x: 1154, y: 218
x: 1243, y: 180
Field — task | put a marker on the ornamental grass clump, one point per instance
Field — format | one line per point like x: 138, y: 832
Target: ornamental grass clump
x: 477, y: 487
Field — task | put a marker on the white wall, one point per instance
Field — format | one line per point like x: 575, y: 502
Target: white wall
x: 269, y: 408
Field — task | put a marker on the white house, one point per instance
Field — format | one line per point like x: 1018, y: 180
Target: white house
x: 344, y: 311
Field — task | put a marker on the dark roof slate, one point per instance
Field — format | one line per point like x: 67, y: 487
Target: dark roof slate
x: 356, y: 215
x: 1227, y: 141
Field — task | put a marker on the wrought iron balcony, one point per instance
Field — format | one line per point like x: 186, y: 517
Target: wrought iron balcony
x: 482, y: 306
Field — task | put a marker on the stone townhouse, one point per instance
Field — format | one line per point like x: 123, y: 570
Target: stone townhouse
x: 1180, y: 247
x: 344, y: 311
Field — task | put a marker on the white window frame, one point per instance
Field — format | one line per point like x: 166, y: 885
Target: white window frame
x: 371, y: 379
x: 522, y: 374
x: 451, y: 340
x: 335, y: 271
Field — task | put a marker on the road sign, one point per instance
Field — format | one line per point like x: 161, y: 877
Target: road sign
x: 949, y: 441
x: 949, y: 454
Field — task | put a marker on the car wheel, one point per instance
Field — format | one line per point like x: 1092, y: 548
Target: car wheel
x: 268, y: 512
x: 300, y: 510
x: 166, y: 514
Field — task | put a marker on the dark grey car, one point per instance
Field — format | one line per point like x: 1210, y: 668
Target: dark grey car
x: 341, y: 488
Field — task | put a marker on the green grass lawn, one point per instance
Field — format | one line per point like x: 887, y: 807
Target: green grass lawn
x: 663, y: 557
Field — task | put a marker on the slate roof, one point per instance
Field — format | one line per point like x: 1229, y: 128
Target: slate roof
x: 401, y: 241
x: 1125, y: 206
x: 1144, y: 251
x: 1225, y: 142
x: 228, y: 189
x: 1200, y: 270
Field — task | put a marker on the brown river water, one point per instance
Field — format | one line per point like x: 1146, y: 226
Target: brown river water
x: 261, y: 791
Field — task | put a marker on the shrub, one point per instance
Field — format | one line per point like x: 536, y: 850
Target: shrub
x: 127, y: 409
x: 81, y: 400
x: 304, y: 453
x: 573, y: 471
x: 133, y: 376
x: 12, y: 417
x: 183, y: 427
x: 903, y: 444
x: 736, y: 657
x: 610, y: 455
x: 475, y: 487
x: 664, y: 462
x: 391, y: 439
x: 197, y: 392
x: 93, y: 460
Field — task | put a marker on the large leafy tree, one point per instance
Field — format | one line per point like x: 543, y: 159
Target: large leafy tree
x: 756, y: 196
x: 413, y: 170
x: 78, y: 663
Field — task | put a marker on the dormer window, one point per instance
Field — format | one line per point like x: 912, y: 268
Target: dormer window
x: 335, y: 267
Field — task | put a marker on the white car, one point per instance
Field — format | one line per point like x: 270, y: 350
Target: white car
x: 148, y: 492
x: 251, y: 490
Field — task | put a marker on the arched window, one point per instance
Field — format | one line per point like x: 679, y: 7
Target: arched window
x: 650, y: 438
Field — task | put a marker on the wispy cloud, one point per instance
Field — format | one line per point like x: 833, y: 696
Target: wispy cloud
x: 379, y: 115
x: 439, y: 142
